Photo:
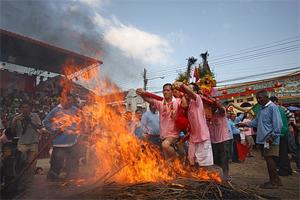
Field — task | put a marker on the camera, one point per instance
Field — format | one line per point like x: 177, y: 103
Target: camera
x: 27, y: 119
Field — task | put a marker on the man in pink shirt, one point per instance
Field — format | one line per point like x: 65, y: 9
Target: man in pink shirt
x: 167, y: 115
x: 219, y: 135
x: 200, y: 149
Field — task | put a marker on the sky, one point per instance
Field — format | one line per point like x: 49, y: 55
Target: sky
x: 243, y: 38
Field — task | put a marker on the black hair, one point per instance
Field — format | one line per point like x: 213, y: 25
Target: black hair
x: 263, y: 93
x: 168, y: 84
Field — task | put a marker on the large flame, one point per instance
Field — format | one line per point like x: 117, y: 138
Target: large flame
x: 118, y: 149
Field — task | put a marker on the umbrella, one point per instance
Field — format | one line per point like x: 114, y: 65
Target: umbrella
x: 293, y: 108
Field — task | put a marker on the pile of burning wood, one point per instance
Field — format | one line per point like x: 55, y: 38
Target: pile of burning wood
x: 181, y: 188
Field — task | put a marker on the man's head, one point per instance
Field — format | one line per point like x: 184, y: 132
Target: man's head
x: 138, y: 114
x: 262, y: 97
x: 67, y: 100
x: 167, y: 91
x: 274, y: 100
x: 152, y: 108
x: 128, y: 115
x: 177, y: 93
x: 25, y: 108
x: 231, y: 115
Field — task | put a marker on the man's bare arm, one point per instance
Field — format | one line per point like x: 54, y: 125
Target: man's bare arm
x: 142, y: 92
x: 186, y: 89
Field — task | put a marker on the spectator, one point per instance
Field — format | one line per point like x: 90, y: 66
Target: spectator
x: 295, y: 149
x: 283, y: 161
x: 150, y: 124
x: 65, y: 147
x: 138, y: 129
x: 26, y: 125
x: 233, y: 120
x: 248, y: 132
x: 129, y: 121
x: 268, y: 122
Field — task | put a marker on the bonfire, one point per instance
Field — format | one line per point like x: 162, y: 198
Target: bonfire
x: 126, y: 167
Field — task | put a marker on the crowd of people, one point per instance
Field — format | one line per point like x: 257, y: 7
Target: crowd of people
x: 177, y: 125
x: 22, y: 116
x: 41, y: 103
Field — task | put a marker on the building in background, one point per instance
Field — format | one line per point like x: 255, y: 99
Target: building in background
x: 286, y: 88
x: 133, y: 101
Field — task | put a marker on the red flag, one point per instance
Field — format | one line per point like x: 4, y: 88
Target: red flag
x: 196, y: 74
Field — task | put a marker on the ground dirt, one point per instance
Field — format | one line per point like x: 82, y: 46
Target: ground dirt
x: 249, y: 174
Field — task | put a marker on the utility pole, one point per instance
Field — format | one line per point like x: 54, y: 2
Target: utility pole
x: 145, y: 79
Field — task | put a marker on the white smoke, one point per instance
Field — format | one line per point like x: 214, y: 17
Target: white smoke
x: 78, y: 25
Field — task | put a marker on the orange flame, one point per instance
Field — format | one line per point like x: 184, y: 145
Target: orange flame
x: 116, y: 147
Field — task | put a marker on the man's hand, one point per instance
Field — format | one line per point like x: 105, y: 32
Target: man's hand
x: 177, y: 85
x: 140, y: 91
x: 43, y: 131
x: 19, y: 117
x: 269, y: 140
x: 241, y: 124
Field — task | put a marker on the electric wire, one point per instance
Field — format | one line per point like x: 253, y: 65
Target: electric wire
x: 237, y: 60
x: 223, y: 60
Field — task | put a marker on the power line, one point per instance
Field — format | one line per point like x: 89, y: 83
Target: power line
x: 256, y: 75
x: 138, y: 79
x: 246, y: 58
x: 265, y: 73
x: 260, y: 54
x: 237, y: 60
x: 249, y: 68
x: 257, y: 48
x: 247, y: 52
x: 289, y: 65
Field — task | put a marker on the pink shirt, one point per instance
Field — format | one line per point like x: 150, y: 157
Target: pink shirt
x: 199, y: 129
x: 167, y: 117
x: 246, y: 130
x: 218, y: 129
